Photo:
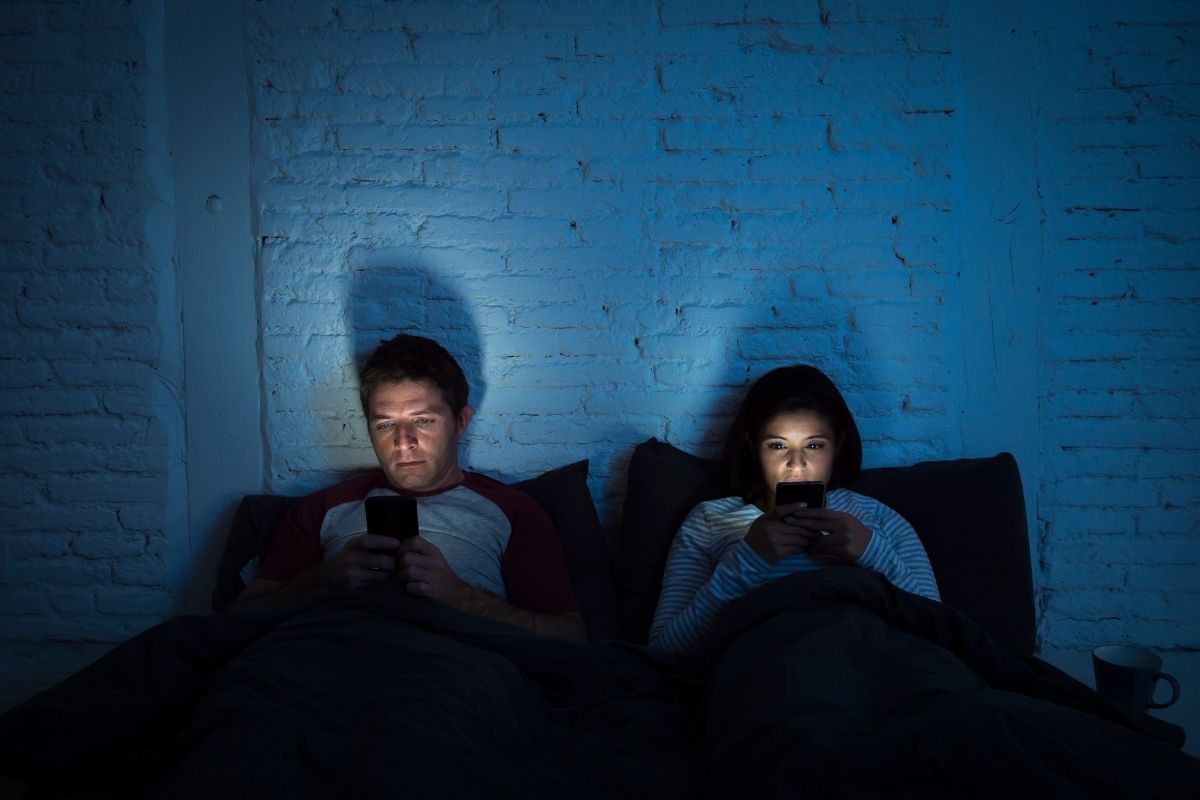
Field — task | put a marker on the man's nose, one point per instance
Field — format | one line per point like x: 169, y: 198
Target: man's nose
x: 406, y: 436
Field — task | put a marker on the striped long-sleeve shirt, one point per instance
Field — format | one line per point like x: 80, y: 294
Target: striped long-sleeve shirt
x: 710, y: 564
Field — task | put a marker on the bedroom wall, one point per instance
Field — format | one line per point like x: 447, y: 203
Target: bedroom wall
x: 981, y: 223
x: 94, y: 545
x: 1119, y: 383
x: 621, y: 213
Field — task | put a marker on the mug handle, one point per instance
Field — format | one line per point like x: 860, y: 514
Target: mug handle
x: 1174, y: 690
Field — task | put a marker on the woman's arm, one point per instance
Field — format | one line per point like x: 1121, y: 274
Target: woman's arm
x: 860, y: 530
x: 695, y: 586
x: 895, y: 551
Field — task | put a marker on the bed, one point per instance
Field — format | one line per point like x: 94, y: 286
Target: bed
x: 824, y: 684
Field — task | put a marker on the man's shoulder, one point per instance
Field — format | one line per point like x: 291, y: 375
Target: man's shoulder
x: 489, y: 487
x: 349, y: 490
x: 511, y: 500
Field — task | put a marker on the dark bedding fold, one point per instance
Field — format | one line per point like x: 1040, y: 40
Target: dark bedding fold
x: 836, y: 684
x: 370, y: 694
x: 822, y: 685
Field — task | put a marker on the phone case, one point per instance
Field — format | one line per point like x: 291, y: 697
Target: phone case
x: 392, y: 515
x: 810, y: 492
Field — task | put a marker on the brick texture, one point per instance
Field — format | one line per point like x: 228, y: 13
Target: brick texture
x: 617, y: 214
x: 91, y: 423
x: 622, y: 213
x: 1120, y: 353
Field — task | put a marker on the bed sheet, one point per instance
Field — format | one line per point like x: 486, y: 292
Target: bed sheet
x: 823, y: 684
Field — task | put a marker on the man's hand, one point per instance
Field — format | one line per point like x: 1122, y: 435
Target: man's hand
x: 423, y: 568
x: 425, y: 572
x: 420, y: 565
x: 366, y: 558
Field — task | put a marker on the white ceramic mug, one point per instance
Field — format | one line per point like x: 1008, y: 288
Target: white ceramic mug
x: 1129, y: 676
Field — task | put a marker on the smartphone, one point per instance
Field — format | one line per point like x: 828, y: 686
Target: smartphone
x: 392, y: 515
x: 812, y: 493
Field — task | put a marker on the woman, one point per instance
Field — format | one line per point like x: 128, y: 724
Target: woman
x: 794, y: 425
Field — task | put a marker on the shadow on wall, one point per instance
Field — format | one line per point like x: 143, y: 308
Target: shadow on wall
x: 397, y: 291
x: 800, y: 327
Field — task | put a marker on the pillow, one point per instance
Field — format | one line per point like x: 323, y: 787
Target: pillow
x: 663, y: 484
x: 250, y: 534
x: 969, y: 514
x: 562, y: 492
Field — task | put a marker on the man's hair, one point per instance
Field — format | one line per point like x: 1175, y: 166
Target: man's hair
x: 414, y: 358
x: 796, y: 388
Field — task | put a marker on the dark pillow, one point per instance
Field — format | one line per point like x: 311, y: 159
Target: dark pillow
x: 250, y: 534
x: 969, y: 513
x: 662, y: 485
x: 563, y: 492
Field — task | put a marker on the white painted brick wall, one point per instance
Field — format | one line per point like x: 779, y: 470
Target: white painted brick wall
x: 1120, y: 385
x: 90, y: 443
x: 632, y: 208
x: 619, y: 214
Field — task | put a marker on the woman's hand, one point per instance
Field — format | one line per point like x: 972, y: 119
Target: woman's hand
x: 835, y: 533
x: 773, y: 538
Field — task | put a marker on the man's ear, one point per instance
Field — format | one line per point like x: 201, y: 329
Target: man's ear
x: 464, y: 419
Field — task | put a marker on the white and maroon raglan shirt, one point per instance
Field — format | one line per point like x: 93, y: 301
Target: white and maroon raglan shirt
x: 493, y: 536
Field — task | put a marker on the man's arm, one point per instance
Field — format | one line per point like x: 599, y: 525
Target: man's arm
x: 364, y: 559
x: 485, y: 604
x: 427, y: 574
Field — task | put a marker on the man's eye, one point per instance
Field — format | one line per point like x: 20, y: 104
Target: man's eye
x: 383, y: 426
x: 426, y: 421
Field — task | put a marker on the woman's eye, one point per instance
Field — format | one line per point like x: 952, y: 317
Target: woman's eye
x: 776, y: 446
x: 816, y: 445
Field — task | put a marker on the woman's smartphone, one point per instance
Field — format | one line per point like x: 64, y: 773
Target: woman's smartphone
x: 392, y: 515
x: 811, y: 493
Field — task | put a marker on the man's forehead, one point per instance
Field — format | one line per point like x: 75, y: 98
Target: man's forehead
x: 408, y: 395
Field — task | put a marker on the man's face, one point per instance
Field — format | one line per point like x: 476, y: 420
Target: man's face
x: 415, y: 435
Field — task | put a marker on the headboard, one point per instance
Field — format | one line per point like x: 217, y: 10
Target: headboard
x: 969, y: 513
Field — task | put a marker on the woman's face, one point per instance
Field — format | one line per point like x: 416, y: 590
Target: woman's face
x: 795, y: 446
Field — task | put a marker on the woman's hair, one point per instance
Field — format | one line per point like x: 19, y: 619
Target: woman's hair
x: 796, y: 388
x: 414, y: 358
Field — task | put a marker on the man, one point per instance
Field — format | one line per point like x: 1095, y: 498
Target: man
x: 484, y: 547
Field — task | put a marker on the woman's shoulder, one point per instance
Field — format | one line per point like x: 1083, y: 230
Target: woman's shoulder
x: 849, y: 500
x: 711, y: 513
x: 712, y: 525
x: 718, y: 507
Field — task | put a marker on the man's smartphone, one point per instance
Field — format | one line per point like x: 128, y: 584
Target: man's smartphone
x: 392, y: 515
x: 811, y: 493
